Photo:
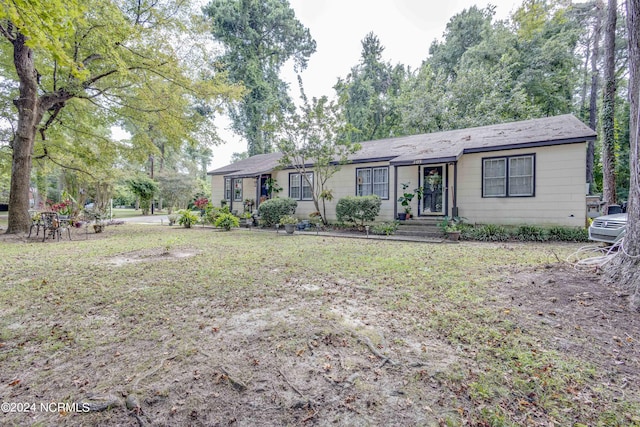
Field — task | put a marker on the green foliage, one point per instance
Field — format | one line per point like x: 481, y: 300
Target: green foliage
x: 100, y: 64
x: 175, y: 189
x: 211, y: 213
x: 455, y: 223
x: 406, y: 198
x: 273, y: 209
x: 187, y: 218
x: 386, y: 228
x: 226, y: 221
x: 259, y: 37
x: 568, y: 234
x: 531, y: 233
x: 367, y: 95
x: 288, y: 219
x: 358, y: 209
x: 490, y: 233
x: 145, y: 188
x: 123, y: 196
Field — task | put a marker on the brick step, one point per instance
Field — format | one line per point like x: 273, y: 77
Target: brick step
x: 420, y: 227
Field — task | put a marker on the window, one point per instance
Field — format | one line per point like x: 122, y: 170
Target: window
x: 508, y: 176
x: 237, y: 190
x: 299, y: 188
x: 372, y: 181
x: 227, y: 188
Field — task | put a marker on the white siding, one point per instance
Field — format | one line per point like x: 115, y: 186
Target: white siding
x: 559, y: 189
x: 343, y: 184
x: 217, y: 189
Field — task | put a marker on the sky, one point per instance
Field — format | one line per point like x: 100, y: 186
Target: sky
x: 406, y: 28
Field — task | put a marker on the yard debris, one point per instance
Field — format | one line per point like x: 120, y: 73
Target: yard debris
x: 99, y: 402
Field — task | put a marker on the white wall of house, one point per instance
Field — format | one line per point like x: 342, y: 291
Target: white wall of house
x: 248, y: 191
x: 342, y: 184
x: 559, y: 189
x: 217, y: 189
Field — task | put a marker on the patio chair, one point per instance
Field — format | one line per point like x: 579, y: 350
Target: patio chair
x: 52, y: 223
x: 35, y: 221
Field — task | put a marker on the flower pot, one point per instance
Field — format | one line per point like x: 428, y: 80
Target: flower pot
x: 453, y: 235
x: 402, y: 216
x: 290, y: 228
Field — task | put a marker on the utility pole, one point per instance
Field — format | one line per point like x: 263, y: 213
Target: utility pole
x: 151, y: 160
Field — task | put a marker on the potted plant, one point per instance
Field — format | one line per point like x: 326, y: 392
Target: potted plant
x: 248, y: 219
x: 289, y: 223
x: 453, y: 232
x: 452, y: 227
x: 173, y: 218
x: 405, y: 201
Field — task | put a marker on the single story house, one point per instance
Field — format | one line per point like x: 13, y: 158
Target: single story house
x: 527, y: 172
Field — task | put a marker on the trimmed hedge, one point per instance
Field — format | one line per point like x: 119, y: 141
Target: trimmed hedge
x: 526, y: 233
x: 273, y: 209
x: 358, y: 209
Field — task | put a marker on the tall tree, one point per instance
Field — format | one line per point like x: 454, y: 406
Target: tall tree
x: 463, y: 31
x: 595, y: 78
x: 368, y: 94
x: 100, y: 51
x: 625, y: 268
x: 315, y: 142
x: 608, y: 108
x: 259, y: 36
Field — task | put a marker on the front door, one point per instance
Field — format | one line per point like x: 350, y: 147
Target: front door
x: 433, y: 190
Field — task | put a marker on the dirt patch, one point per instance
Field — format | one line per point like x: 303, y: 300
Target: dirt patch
x: 578, y: 314
x: 152, y: 255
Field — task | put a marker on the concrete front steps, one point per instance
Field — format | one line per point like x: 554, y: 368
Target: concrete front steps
x: 421, y: 227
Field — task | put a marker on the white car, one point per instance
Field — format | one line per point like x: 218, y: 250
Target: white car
x: 608, y: 228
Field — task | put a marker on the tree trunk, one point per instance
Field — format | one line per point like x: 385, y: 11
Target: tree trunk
x: 31, y: 109
x: 608, y: 108
x: 593, y: 98
x: 625, y: 268
x: 28, y: 118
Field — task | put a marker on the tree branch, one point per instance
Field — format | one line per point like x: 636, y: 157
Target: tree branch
x: 7, y: 32
x: 46, y: 155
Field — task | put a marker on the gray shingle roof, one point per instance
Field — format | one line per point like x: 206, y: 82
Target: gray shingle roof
x: 450, y: 145
x: 444, y: 146
x: 253, y: 166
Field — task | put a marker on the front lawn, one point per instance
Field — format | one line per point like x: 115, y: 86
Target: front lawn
x: 153, y: 325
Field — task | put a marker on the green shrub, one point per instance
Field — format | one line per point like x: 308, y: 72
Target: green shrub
x: 288, y: 219
x: 273, y: 209
x: 386, y: 228
x: 568, y: 234
x: 187, y: 218
x: 490, y: 233
x: 211, y: 213
x: 531, y: 233
x: 226, y: 221
x: 358, y: 209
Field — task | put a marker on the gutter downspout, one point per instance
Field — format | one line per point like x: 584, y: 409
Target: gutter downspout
x: 395, y: 192
x: 258, y: 191
x: 454, y: 209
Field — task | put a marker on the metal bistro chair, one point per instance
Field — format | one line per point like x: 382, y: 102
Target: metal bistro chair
x: 52, y: 223
x: 35, y: 222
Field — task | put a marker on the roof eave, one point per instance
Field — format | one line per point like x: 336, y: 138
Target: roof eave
x: 424, y: 161
x: 529, y: 144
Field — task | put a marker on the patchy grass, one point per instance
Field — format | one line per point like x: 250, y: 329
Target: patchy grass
x: 171, y: 326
